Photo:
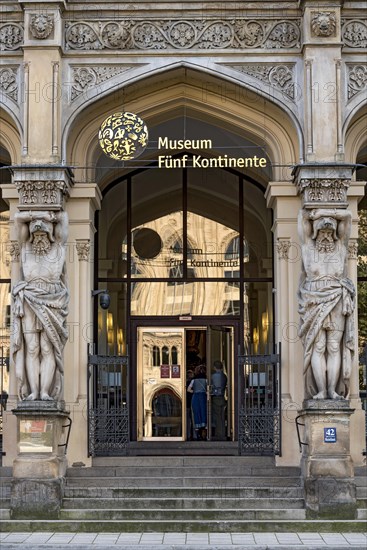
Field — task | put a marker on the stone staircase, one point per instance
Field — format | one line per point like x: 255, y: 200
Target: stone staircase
x: 164, y: 494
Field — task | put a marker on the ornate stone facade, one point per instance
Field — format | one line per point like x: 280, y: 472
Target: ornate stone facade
x: 83, y: 250
x: 283, y: 246
x: 41, y: 194
x: 354, y: 33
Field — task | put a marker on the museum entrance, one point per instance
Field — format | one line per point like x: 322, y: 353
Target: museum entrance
x: 185, y: 383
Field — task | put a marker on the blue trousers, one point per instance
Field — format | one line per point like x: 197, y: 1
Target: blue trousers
x: 198, y: 405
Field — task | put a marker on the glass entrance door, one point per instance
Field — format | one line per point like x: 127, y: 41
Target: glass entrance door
x: 168, y: 359
x: 161, y: 384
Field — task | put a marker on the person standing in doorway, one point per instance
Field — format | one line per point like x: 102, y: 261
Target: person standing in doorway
x: 198, y: 386
x: 219, y: 384
x: 189, y: 423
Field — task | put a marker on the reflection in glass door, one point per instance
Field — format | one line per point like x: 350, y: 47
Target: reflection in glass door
x: 161, y: 379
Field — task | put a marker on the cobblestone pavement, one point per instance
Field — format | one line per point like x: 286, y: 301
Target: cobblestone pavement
x: 182, y: 541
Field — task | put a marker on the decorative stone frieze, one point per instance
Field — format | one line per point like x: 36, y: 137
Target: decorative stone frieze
x: 323, y: 23
x: 88, y: 77
x: 41, y: 25
x: 83, y: 250
x: 353, y: 249
x: 128, y: 34
x: 11, y: 36
x: 318, y: 193
x: 280, y: 76
x: 357, y: 79
x: 354, y: 33
x: 9, y: 82
x: 283, y: 247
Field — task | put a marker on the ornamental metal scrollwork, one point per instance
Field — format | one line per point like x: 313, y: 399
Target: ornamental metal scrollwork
x: 8, y: 82
x: 279, y: 76
x: 183, y: 35
x: 357, y: 79
x: 11, y: 36
x: 354, y: 33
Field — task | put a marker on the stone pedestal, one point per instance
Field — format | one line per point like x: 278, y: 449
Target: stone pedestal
x: 327, y: 467
x: 40, y: 466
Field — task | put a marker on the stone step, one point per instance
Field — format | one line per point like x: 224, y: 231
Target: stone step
x: 362, y: 513
x: 181, y: 515
x: 128, y: 492
x: 4, y: 513
x: 191, y: 470
x: 197, y: 503
x: 225, y: 462
x: 361, y: 481
x: 361, y: 492
x: 6, y: 471
x: 191, y: 525
x: 200, y: 481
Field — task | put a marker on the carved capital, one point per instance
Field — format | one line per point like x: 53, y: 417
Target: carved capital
x: 42, y: 195
x: 323, y: 23
x: 14, y: 251
x: 353, y: 249
x: 326, y: 192
x: 41, y: 25
x: 83, y: 250
x: 283, y: 246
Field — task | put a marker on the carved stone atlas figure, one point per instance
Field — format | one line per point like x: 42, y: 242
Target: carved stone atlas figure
x: 40, y: 304
x: 326, y: 302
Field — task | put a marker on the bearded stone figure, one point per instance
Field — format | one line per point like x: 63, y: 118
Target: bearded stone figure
x: 40, y: 305
x: 326, y: 302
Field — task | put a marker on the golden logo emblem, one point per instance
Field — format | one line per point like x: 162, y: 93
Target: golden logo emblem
x: 123, y: 136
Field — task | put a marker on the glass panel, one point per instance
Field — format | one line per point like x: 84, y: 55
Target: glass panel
x: 257, y: 233
x: 212, y: 223
x: 258, y: 320
x: 160, y: 387
x: 112, y: 321
x: 156, y: 220
x: 112, y: 242
x: 196, y: 298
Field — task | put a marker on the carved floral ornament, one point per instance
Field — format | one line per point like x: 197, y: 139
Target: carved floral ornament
x: 11, y: 36
x: 14, y: 251
x: 323, y: 24
x: 280, y: 76
x: 357, y: 79
x: 283, y: 247
x: 162, y: 35
x: 8, y: 82
x: 41, y: 193
x: 354, y: 33
x: 83, y: 250
x: 324, y: 190
x: 41, y: 25
x: 85, y: 78
x: 353, y: 250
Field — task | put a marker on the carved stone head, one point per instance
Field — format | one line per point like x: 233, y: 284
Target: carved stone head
x: 323, y: 23
x: 41, y: 25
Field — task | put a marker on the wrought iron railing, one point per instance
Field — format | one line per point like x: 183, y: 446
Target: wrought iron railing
x: 259, y: 399
x: 108, y: 410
